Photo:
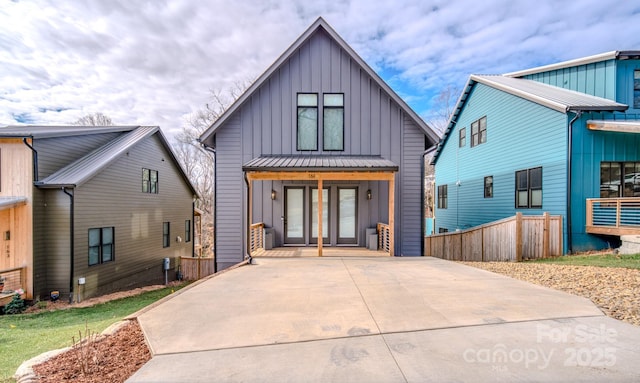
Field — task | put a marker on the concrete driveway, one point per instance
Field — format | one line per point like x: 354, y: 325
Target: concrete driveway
x: 346, y: 319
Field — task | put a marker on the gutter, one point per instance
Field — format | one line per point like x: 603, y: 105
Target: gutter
x: 35, y: 158
x: 71, y: 243
x: 578, y: 113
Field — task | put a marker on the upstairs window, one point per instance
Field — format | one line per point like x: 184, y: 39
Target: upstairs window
x: 529, y: 188
x: 462, y: 139
x: 479, y: 132
x: 149, y: 181
x: 442, y: 197
x: 307, y: 134
x: 100, y: 245
x: 187, y: 230
x: 636, y: 89
x: 333, y: 121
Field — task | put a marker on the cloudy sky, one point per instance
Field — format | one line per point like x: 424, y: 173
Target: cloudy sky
x: 155, y: 62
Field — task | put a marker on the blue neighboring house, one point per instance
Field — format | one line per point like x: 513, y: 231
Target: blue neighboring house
x: 562, y: 138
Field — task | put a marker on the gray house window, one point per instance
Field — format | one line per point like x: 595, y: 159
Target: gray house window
x: 636, y: 89
x: 462, y: 139
x: 166, y: 233
x: 488, y: 187
x: 333, y: 121
x: 187, y: 230
x: 479, y: 132
x: 442, y: 197
x: 101, y: 242
x: 529, y: 188
x: 307, y: 135
x: 149, y: 181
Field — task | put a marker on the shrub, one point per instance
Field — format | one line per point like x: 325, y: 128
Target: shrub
x: 16, y: 306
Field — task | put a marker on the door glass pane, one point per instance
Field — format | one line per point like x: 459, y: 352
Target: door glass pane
x: 325, y: 213
x: 347, y: 213
x: 295, y: 213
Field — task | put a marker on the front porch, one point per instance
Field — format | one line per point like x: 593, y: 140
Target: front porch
x: 301, y: 252
x: 613, y: 216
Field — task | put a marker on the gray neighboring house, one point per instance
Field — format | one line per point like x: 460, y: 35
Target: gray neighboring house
x: 102, y: 207
x: 319, y: 118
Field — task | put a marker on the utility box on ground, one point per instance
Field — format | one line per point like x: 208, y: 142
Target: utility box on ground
x: 268, y: 239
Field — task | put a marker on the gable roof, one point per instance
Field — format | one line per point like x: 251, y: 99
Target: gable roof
x: 320, y: 23
x: 87, y: 167
x: 553, y: 97
x: 613, y: 55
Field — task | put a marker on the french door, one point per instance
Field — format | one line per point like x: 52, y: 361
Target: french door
x: 294, y: 215
x: 347, y: 215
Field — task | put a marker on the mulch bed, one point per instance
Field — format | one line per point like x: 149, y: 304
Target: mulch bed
x: 110, y: 359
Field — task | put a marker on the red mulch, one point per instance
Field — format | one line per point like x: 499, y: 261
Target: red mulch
x: 110, y: 359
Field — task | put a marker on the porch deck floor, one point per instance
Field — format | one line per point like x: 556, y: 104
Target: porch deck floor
x: 293, y: 252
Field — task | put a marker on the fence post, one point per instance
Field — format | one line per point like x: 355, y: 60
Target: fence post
x: 518, y: 237
x: 545, y: 235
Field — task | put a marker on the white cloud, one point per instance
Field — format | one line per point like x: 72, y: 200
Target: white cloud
x: 154, y: 62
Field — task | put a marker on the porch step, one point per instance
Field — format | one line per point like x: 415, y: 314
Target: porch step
x: 630, y: 244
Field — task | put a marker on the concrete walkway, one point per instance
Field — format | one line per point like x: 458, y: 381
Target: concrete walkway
x: 336, y: 319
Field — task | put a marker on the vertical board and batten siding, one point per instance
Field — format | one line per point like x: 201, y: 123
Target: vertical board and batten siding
x: 114, y: 198
x: 266, y: 124
x: 625, y: 83
x: 597, y: 79
x: 16, y: 164
x: 590, y: 148
x: 58, y: 152
x: 411, y: 181
x: 520, y: 135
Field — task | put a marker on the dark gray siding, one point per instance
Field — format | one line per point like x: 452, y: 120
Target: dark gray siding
x: 55, y: 153
x: 54, y: 247
x: 266, y: 124
x: 114, y: 198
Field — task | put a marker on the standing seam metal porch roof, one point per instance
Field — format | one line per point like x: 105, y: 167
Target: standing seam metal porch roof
x: 319, y: 163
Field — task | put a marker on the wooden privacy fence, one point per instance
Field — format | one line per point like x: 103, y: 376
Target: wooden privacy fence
x: 196, y: 268
x: 510, y: 239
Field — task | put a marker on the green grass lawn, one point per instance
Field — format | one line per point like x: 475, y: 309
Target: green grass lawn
x: 24, y: 336
x: 601, y: 260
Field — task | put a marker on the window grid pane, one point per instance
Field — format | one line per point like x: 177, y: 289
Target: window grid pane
x: 333, y: 136
x: 463, y: 138
x: 307, y: 128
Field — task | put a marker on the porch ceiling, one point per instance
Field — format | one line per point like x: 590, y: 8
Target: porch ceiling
x: 623, y: 126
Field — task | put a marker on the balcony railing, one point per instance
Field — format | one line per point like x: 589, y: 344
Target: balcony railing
x: 613, y: 216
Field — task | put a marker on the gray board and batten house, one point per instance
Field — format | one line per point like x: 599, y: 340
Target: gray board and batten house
x: 99, y: 208
x: 319, y: 118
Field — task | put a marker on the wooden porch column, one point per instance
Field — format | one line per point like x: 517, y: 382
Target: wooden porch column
x: 320, y: 235
x: 249, y: 216
x: 392, y: 210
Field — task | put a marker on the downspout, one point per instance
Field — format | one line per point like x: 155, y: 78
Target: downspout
x: 248, y: 244
x: 71, y: 244
x: 35, y: 159
x: 215, y: 198
x: 578, y: 113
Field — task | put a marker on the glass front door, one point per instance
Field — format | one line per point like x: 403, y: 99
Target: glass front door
x: 294, y: 215
x: 347, y: 215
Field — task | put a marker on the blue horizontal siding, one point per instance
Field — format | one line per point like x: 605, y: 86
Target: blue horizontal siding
x: 520, y: 135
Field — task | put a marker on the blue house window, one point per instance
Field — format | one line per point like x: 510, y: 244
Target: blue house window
x: 442, y: 197
x: 529, y: 188
x: 488, y: 187
x: 619, y: 179
x: 101, y: 242
x: 636, y: 89
x: 479, y: 132
x: 462, y: 139
x: 307, y: 135
x: 333, y: 121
